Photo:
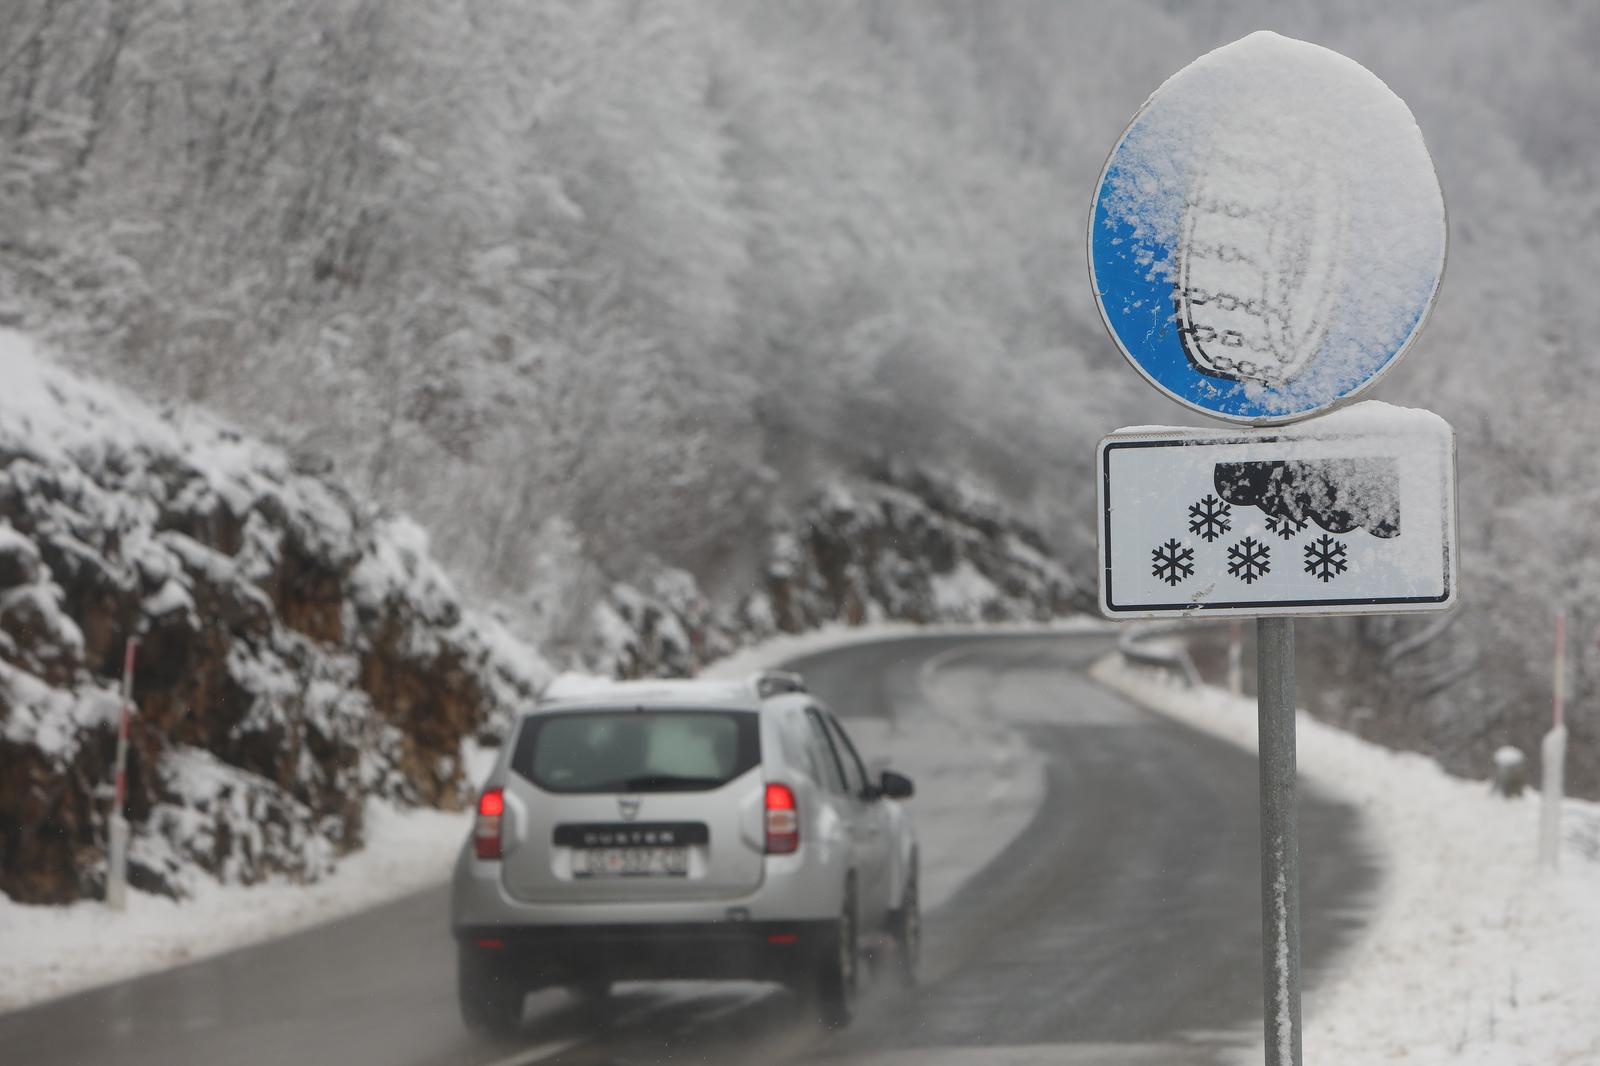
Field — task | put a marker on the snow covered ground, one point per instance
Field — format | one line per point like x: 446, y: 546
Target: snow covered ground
x: 50, y: 951
x: 1474, y: 956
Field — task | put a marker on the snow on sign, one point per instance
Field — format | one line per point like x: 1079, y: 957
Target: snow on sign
x: 1352, y: 513
x: 1268, y: 235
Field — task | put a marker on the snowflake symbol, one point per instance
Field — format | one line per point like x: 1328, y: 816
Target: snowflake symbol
x: 1173, y: 562
x: 1325, y: 558
x: 1249, y: 559
x: 1209, y: 518
x: 1284, y: 526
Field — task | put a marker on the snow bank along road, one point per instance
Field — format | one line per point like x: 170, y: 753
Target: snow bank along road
x: 1121, y: 925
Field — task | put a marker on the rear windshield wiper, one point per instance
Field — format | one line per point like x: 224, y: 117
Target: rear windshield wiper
x: 666, y: 783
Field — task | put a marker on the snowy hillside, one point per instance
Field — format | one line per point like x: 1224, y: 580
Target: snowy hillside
x: 899, y: 545
x: 710, y: 253
x: 298, y: 654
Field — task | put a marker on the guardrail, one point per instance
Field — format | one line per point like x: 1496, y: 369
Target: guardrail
x: 1159, y: 645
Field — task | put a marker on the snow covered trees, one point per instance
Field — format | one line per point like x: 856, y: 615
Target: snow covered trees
x: 636, y: 268
x: 587, y: 260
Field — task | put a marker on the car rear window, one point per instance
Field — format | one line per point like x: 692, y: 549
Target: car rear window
x: 636, y: 751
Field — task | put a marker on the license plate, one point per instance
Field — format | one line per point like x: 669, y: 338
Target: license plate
x: 630, y: 862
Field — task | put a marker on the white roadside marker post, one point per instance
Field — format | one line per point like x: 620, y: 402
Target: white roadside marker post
x: 117, y: 857
x: 1243, y: 256
x: 1553, y: 757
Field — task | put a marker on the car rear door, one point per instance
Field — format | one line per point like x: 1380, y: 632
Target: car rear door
x: 620, y: 804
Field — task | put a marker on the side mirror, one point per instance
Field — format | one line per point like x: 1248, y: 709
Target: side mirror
x: 895, y: 786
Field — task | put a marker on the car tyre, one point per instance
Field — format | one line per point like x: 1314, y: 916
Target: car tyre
x: 907, y: 931
x: 840, y: 977
x: 490, y: 1001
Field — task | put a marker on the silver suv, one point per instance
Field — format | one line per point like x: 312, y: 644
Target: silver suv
x: 682, y: 829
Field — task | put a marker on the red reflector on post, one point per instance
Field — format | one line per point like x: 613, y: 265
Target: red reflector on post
x: 486, y: 831
x: 783, y: 938
x: 783, y: 820
x: 492, y: 943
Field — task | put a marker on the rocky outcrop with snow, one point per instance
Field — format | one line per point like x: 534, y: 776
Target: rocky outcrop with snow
x: 895, y: 545
x: 297, y: 653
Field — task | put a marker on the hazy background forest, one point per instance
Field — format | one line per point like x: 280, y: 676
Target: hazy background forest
x: 590, y: 287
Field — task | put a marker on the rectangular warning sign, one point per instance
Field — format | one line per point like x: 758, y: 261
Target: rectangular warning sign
x: 1351, y: 513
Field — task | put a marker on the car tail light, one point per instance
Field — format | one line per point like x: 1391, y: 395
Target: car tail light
x: 783, y: 820
x: 486, y: 832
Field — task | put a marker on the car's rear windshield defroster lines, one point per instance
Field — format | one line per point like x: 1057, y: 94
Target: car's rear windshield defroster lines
x: 636, y: 751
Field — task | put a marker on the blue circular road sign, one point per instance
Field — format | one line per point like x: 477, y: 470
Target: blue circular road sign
x: 1268, y: 235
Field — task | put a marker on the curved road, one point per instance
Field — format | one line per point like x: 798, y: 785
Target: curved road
x: 1122, y: 926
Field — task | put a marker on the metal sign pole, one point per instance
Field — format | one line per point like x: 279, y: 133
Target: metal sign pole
x: 1280, y: 840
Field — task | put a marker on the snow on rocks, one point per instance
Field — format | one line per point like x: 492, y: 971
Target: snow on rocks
x: 895, y: 545
x: 661, y: 630
x: 901, y: 545
x: 298, y: 654
x: 1472, y: 955
x: 962, y: 593
x: 220, y: 818
x: 52, y: 721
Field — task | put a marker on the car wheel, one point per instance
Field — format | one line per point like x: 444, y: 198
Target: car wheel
x: 840, y: 978
x: 490, y: 1001
x: 908, y: 934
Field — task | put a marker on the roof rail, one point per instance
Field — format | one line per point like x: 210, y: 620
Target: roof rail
x: 769, y: 683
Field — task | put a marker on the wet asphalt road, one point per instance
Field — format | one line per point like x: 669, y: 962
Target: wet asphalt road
x: 1123, y: 926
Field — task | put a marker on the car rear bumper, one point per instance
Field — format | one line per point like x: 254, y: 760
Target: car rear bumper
x: 792, y: 888
x: 572, y: 954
